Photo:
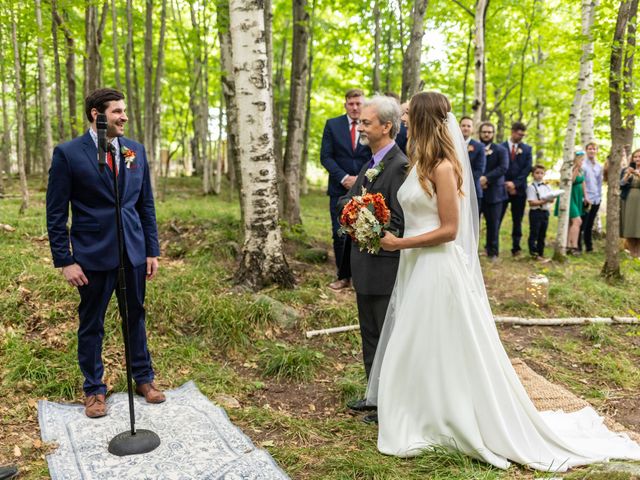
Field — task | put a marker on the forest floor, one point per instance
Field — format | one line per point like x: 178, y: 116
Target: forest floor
x: 290, y: 391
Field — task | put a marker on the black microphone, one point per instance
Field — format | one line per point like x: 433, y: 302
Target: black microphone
x: 101, y: 127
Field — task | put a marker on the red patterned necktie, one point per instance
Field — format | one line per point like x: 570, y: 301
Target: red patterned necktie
x: 353, y: 134
x: 110, y: 162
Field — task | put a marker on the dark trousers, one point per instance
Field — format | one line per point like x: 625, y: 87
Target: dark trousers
x: 586, y: 228
x: 518, y: 204
x: 341, y: 244
x: 493, y: 216
x: 538, y: 223
x: 94, y: 299
x: 371, y: 312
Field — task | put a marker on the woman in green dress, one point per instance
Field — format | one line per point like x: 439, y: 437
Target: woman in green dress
x: 576, y: 205
x: 630, y: 204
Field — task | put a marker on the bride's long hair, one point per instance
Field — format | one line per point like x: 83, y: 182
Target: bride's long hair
x: 429, y: 140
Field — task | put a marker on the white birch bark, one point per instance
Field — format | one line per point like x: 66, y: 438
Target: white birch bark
x: 588, y: 15
x: 44, y: 95
x: 479, y: 102
x: 263, y: 260
x: 20, y: 144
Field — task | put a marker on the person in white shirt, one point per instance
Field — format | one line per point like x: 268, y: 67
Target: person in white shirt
x: 540, y: 197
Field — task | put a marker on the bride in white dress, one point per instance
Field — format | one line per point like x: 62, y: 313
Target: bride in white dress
x: 441, y: 375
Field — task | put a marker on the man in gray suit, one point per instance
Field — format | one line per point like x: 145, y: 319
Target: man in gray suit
x: 373, y: 275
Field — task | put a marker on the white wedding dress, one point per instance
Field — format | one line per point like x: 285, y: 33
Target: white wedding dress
x: 442, y: 377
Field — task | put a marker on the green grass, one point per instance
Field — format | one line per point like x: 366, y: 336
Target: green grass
x: 202, y: 328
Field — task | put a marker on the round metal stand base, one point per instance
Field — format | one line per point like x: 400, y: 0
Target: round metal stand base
x: 144, y: 441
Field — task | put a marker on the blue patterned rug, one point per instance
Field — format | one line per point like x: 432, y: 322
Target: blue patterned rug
x: 198, y: 441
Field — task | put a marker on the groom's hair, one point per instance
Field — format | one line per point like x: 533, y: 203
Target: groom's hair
x: 388, y: 110
x: 99, y: 99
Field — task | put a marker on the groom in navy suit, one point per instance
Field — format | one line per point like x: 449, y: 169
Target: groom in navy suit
x: 520, y: 164
x: 343, y: 157
x: 92, y: 261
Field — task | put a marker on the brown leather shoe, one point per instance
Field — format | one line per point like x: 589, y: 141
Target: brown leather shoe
x: 340, y: 284
x: 150, y: 393
x: 95, y: 406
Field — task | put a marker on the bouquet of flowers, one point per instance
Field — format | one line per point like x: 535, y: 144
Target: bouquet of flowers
x: 364, y: 219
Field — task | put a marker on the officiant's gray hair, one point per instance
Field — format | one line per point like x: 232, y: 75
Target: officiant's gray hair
x: 388, y: 110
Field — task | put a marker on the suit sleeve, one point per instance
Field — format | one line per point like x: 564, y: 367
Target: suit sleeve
x: 501, y: 168
x: 327, y: 155
x: 521, y: 177
x: 147, y: 212
x: 396, y: 223
x: 355, y: 189
x: 58, y: 197
x: 480, y: 165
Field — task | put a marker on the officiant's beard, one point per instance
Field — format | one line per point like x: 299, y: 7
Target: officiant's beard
x: 363, y: 140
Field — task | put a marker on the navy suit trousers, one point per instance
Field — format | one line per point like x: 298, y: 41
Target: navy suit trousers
x: 341, y: 244
x: 94, y: 299
x: 538, y: 223
x: 493, y: 215
x: 518, y: 204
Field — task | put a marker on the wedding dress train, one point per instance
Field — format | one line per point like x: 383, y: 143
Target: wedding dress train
x: 442, y: 377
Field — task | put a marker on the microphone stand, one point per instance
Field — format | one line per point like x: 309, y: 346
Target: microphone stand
x: 134, y: 441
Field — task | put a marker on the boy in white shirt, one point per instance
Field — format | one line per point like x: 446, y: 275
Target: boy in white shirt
x: 540, y: 196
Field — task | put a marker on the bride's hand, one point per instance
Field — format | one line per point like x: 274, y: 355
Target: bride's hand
x: 389, y: 242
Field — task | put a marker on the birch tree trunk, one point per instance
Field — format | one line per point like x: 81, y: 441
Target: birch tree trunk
x: 47, y: 148
x: 479, y: 89
x: 5, y: 163
x: 20, y: 144
x: 263, y: 260
x: 586, y: 112
x: 116, y: 55
x: 229, y: 92
x: 411, y: 63
x: 588, y: 15
x: 304, y: 184
x: 466, y: 73
x: 297, y: 112
x: 58, y: 72
x: 135, y: 125
x: 622, y: 126
x: 376, y: 47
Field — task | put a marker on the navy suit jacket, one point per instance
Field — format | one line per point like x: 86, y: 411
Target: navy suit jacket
x: 337, y: 155
x: 520, y: 168
x: 75, y: 178
x: 401, y: 138
x: 497, y: 165
x: 478, y: 161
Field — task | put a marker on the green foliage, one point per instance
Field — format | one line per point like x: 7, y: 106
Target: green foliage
x: 284, y: 361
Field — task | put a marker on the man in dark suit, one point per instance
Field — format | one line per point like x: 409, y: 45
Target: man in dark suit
x: 520, y: 164
x: 343, y: 157
x: 374, y: 274
x: 91, y: 264
x: 477, y: 157
x: 492, y: 183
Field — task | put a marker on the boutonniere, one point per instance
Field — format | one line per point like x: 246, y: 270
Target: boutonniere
x: 470, y: 148
x: 519, y: 151
x: 128, y: 155
x: 487, y: 150
x: 372, y: 173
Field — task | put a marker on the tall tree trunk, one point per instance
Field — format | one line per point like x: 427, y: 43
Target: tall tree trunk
x: 70, y: 65
x: 622, y: 125
x: 135, y: 125
x: 217, y: 187
x: 278, y: 103
x: 588, y: 15
x: 411, y: 64
x: 540, y: 139
x: 198, y: 139
x: 376, y: 46
x: 479, y: 88
x: 389, y: 62
x: 47, y: 148
x: 20, y: 143
x: 229, y: 92
x: 297, y: 108
x: 523, y: 57
x: 304, y: 184
x: 58, y: 72
x: 92, y: 61
x: 5, y: 162
x: 263, y: 260
x: 466, y: 73
x: 116, y: 49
